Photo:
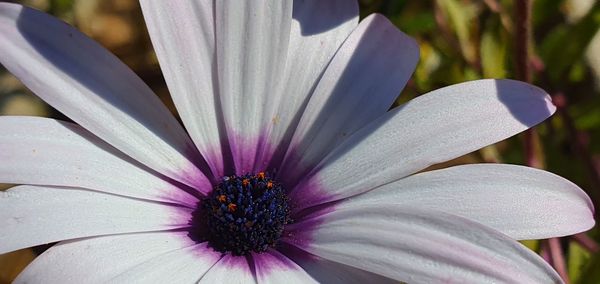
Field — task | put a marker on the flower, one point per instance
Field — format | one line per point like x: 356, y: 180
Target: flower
x: 294, y: 170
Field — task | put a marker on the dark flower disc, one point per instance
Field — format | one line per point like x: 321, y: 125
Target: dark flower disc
x: 243, y: 214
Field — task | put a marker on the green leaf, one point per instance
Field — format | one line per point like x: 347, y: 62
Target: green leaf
x: 566, y: 44
x: 576, y: 260
x: 416, y: 24
x: 590, y: 274
x: 533, y: 245
x: 493, y: 51
x: 462, y: 18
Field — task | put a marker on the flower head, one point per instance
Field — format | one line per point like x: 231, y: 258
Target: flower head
x: 293, y: 170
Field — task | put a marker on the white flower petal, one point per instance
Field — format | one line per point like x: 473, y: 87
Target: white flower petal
x: 183, y: 34
x: 44, y: 151
x: 185, y: 265
x: 274, y: 267
x: 318, y: 30
x: 360, y: 84
x: 521, y: 202
x: 91, y: 86
x: 416, y: 246
x: 99, y: 259
x: 326, y: 271
x: 33, y: 215
x: 252, y: 43
x: 230, y: 269
x: 430, y: 129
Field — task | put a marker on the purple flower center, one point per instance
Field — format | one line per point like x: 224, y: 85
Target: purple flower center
x: 243, y: 214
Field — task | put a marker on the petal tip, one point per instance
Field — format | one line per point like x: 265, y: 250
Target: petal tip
x: 530, y: 104
x: 409, y: 45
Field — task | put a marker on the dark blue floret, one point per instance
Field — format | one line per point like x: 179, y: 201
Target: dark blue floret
x: 244, y: 214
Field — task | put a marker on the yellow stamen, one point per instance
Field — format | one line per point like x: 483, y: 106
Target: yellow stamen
x: 231, y: 207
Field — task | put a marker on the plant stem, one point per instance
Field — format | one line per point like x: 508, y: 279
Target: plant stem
x: 558, y: 259
x: 522, y: 40
x: 586, y: 242
x: 523, y: 72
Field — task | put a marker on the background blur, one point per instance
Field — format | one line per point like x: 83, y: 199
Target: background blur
x: 460, y: 40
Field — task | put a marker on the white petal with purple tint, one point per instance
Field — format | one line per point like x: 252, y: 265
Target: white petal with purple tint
x: 45, y: 151
x: 252, y: 43
x: 274, y: 267
x: 433, y: 128
x: 35, y: 215
x: 185, y: 265
x: 327, y: 271
x: 521, y: 202
x: 87, y: 83
x: 416, y: 246
x: 183, y: 35
x: 360, y: 84
x: 318, y: 30
x: 230, y: 269
x: 81, y: 260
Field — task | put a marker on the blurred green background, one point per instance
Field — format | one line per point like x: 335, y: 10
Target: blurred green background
x: 460, y: 40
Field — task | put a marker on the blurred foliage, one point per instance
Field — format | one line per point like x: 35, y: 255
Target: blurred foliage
x: 460, y: 40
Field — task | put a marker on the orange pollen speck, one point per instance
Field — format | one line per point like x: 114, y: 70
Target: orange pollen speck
x: 231, y: 207
x: 269, y: 185
x: 245, y: 182
x: 261, y: 175
x: 222, y: 198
